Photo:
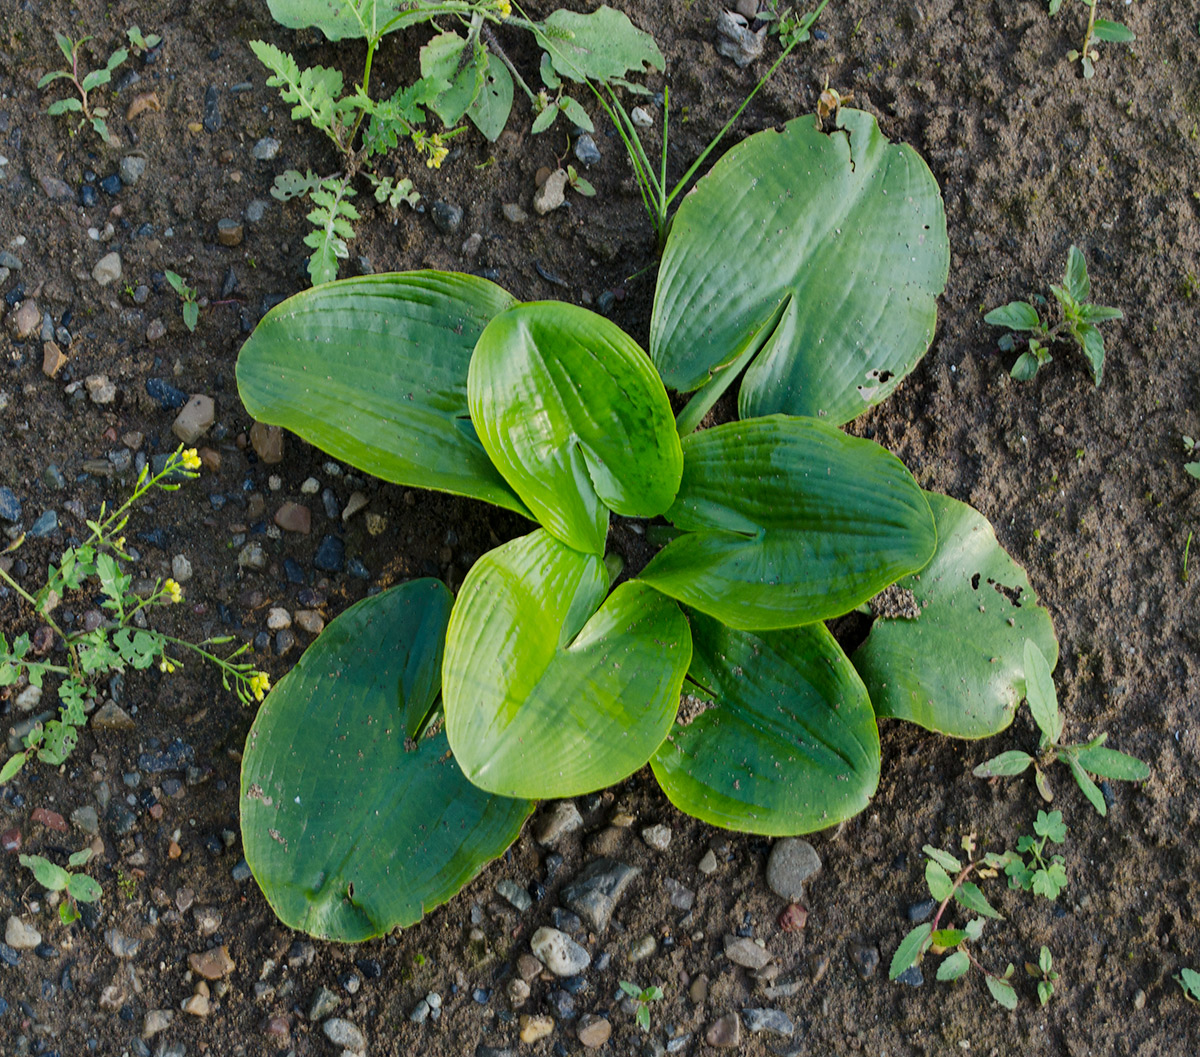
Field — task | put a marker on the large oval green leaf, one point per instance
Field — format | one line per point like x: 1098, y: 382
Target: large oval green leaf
x: 339, y: 19
x: 374, y: 371
x: 574, y: 416
x: 958, y: 667
x: 826, y: 252
x: 788, y: 521
x: 547, y: 695
x: 775, y: 732
x: 349, y: 827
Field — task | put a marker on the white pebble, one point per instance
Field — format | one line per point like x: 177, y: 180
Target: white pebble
x: 311, y: 486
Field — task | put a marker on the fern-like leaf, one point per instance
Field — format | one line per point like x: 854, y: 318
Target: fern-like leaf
x: 291, y: 184
x: 331, y: 218
x: 314, y: 90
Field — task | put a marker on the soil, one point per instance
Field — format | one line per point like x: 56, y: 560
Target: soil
x: 1085, y: 487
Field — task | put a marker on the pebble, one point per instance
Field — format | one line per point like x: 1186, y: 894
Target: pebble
x: 100, y: 389
x: 558, y: 952
x: 309, y: 620
x: 791, y: 863
x: 86, y: 819
x: 774, y: 1021
x: 311, y: 486
x: 165, y: 395
x: 517, y: 992
x: 865, y: 959
x: 156, y: 1021
x: 241, y: 872
x: 111, y: 716
x: 9, y: 955
x: 514, y: 893
x: 726, y: 1033
x: 267, y: 442
x: 551, y: 194
x: 122, y: 946
x: 132, y: 167
x: 21, y: 936
x: 212, y: 109
x: 593, y: 895
x: 922, y: 911
x: 640, y: 117
x: 513, y: 213
x: 560, y: 819
x: 230, y: 232
x: 29, y: 698
x: 586, y: 151
x: 643, y: 949
x: 342, y: 1033
x: 294, y: 517
x: 420, y: 1012
x: 256, y: 210
x: 446, y: 217
x: 681, y: 897
x: 56, y: 190
x: 330, y: 556
x: 195, y: 419
x: 912, y: 976
x: 181, y: 568
x: 265, y: 149
x: 252, y: 556
x: 10, y: 505
x: 111, y: 184
x: 156, y: 330
x: 708, y: 864
x: 46, y: 525
x: 212, y: 964
x: 323, y: 1003
x: 745, y: 952
x: 534, y: 1028
x: 88, y: 196
x: 197, y: 1005
x: 208, y: 920
x: 24, y: 320
x: 657, y: 837
x: 107, y: 269
x: 376, y: 523
x: 528, y: 966
x: 593, y: 1031
x: 285, y: 640
x: 278, y: 618
x: 471, y: 245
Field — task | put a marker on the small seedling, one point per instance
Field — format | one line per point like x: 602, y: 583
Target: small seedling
x: 641, y: 998
x: 1098, y: 29
x: 79, y: 887
x: 191, y: 309
x: 578, y: 183
x: 1189, y: 446
x: 954, y: 942
x: 1078, y: 323
x: 1084, y: 760
x: 788, y: 26
x: 142, y: 44
x: 1043, y: 874
x: 1189, y: 980
x: 84, y: 84
x: 1043, y: 972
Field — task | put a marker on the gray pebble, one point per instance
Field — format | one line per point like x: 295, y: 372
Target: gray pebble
x: 124, y: 947
x: 256, y: 210
x: 265, y: 149
x: 323, y: 1003
x: 922, y: 911
x: 46, y: 525
x: 342, y: 1033
x: 774, y: 1021
x: 593, y: 895
x: 911, y: 976
x: 10, y: 505
x: 132, y: 168
x: 514, y: 893
x: 446, y: 216
x: 586, y: 151
x: 792, y: 862
x: 558, y: 952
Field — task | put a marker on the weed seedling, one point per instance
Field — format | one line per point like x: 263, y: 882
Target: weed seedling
x: 1078, y: 323
x: 1043, y: 874
x: 1098, y: 29
x: 1189, y: 980
x: 1189, y: 446
x: 191, y: 309
x: 578, y: 183
x: 142, y: 44
x: 84, y: 83
x: 95, y: 652
x: 1043, y: 972
x: 1084, y: 760
x: 641, y: 998
x: 79, y: 887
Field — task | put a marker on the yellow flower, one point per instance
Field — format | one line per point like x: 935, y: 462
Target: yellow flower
x: 165, y: 665
x: 437, y: 152
x: 119, y: 542
x: 503, y: 8
x: 173, y: 591
x: 260, y: 683
x: 190, y: 460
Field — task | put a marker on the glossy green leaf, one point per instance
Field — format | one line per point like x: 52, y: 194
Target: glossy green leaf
x: 1108, y: 763
x: 826, y: 252
x: 949, y: 937
x: 1075, y: 279
x: 969, y: 895
x: 349, y: 827
x: 374, y: 371
x: 910, y: 950
x: 1113, y: 32
x: 547, y: 691
x: 340, y: 19
x: 599, y: 46
x: 1090, y: 789
x: 788, y: 521
x: 959, y: 667
x: 775, y: 733
x: 573, y: 415
x: 1016, y: 315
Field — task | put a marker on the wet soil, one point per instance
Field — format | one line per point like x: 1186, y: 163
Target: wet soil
x: 1085, y: 487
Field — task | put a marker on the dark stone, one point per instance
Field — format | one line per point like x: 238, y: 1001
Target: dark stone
x: 46, y: 951
x: 865, y: 959
x: 46, y: 525
x: 331, y: 555
x: 175, y: 757
x: 155, y: 538
x: 119, y: 818
x: 356, y: 569
x: 922, y: 911
x: 285, y: 641
x: 482, y: 995
x: 369, y: 967
x: 241, y: 872
x: 10, y: 505
x: 593, y: 895
x: 262, y: 641
x: 111, y: 185
x: 15, y: 295
x: 586, y: 151
x: 87, y: 196
x: 774, y: 1021
x: 165, y: 395
x: 575, y: 985
x: 565, y: 921
x: 820, y: 35
x: 9, y: 955
x: 911, y: 976
x: 561, y: 1005
x: 293, y: 571
x: 212, y: 109
x: 446, y: 216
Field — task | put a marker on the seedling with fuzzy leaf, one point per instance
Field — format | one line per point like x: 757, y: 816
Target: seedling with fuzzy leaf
x: 1078, y: 323
x: 79, y: 887
x: 641, y: 998
x: 1084, y: 760
x: 931, y: 937
x: 1098, y: 29
x: 84, y: 83
x: 1043, y: 972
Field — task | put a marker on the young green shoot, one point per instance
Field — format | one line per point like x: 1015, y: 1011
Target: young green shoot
x: 1042, y: 874
x: 1043, y: 972
x: 78, y: 887
x: 85, y: 83
x: 1084, y: 759
x: 1078, y: 323
x: 191, y: 308
x: 1189, y: 980
x: 641, y: 997
x: 1098, y: 29
x: 142, y: 44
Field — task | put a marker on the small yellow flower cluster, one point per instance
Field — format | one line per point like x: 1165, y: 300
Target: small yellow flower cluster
x: 172, y: 590
x: 190, y: 460
x: 259, y: 685
x: 503, y: 8
x: 433, y: 146
x: 165, y: 665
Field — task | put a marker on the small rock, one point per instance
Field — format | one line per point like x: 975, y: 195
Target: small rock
x: 698, y: 991
x: 708, y: 864
x: 309, y: 620
x: 657, y: 837
x: 256, y: 210
x: 586, y: 151
x: 745, y: 952
x: 212, y: 964
x: 514, y: 893
x: 24, y: 320
x: 593, y: 1031
x: 230, y: 232
x: 682, y: 897
x: 294, y: 517
x: 46, y: 525
x: 774, y: 1021
x: 551, y: 194
x: 513, y: 213
x: 267, y: 442
x: 376, y: 524
x: 208, y: 920
x: 122, y: 946
x: 50, y: 819
x: 446, y: 217
x: 10, y: 505
x: 517, y: 991
x: 354, y: 504
x: 865, y: 959
x: 735, y: 40
x: 156, y: 1020
x: 528, y: 966
x: 111, y: 716
x: 132, y: 167
x: 100, y: 389
x: 194, y: 420
x: 922, y: 911
x: 252, y: 556
x: 197, y: 1005
x: 533, y: 1028
x: 29, y: 698
x: 212, y: 109
x: 278, y: 618
x: 912, y: 976
x: 471, y: 245
x: 21, y: 936
x: 165, y: 395
x: 641, y: 117
x: 56, y: 190
x: 107, y: 269
x: 156, y: 330
x: 181, y: 568
x: 330, y: 556
x: 643, y: 949
x: 342, y: 1033
x: 560, y: 819
x: 86, y: 819
x: 791, y: 863
x: 593, y: 895
x: 53, y: 359
x: 726, y: 1033
x: 265, y: 149
x: 558, y: 952
x: 420, y: 1012
x: 324, y: 1002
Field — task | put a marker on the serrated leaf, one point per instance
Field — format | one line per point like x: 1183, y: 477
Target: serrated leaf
x: 910, y: 950
x: 1016, y: 315
x: 545, y: 119
x: 954, y: 966
x: 1004, y: 766
x: 288, y: 185
x: 50, y: 876
x: 1040, y: 693
x: 968, y: 895
x: 942, y: 858
x: 1108, y: 763
x: 974, y: 928
x: 1003, y: 992
x: 939, y: 882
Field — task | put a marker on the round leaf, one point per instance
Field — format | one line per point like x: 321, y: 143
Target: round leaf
x: 547, y: 695
x: 374, y: 371
x: 958, y: 668
x: 828, y: 251
x: 84, y: 889
x: 349, y: 827
x: 573, y: 415
x: 788, y: 521
x: 599, y: 46
x: 784, y: 741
